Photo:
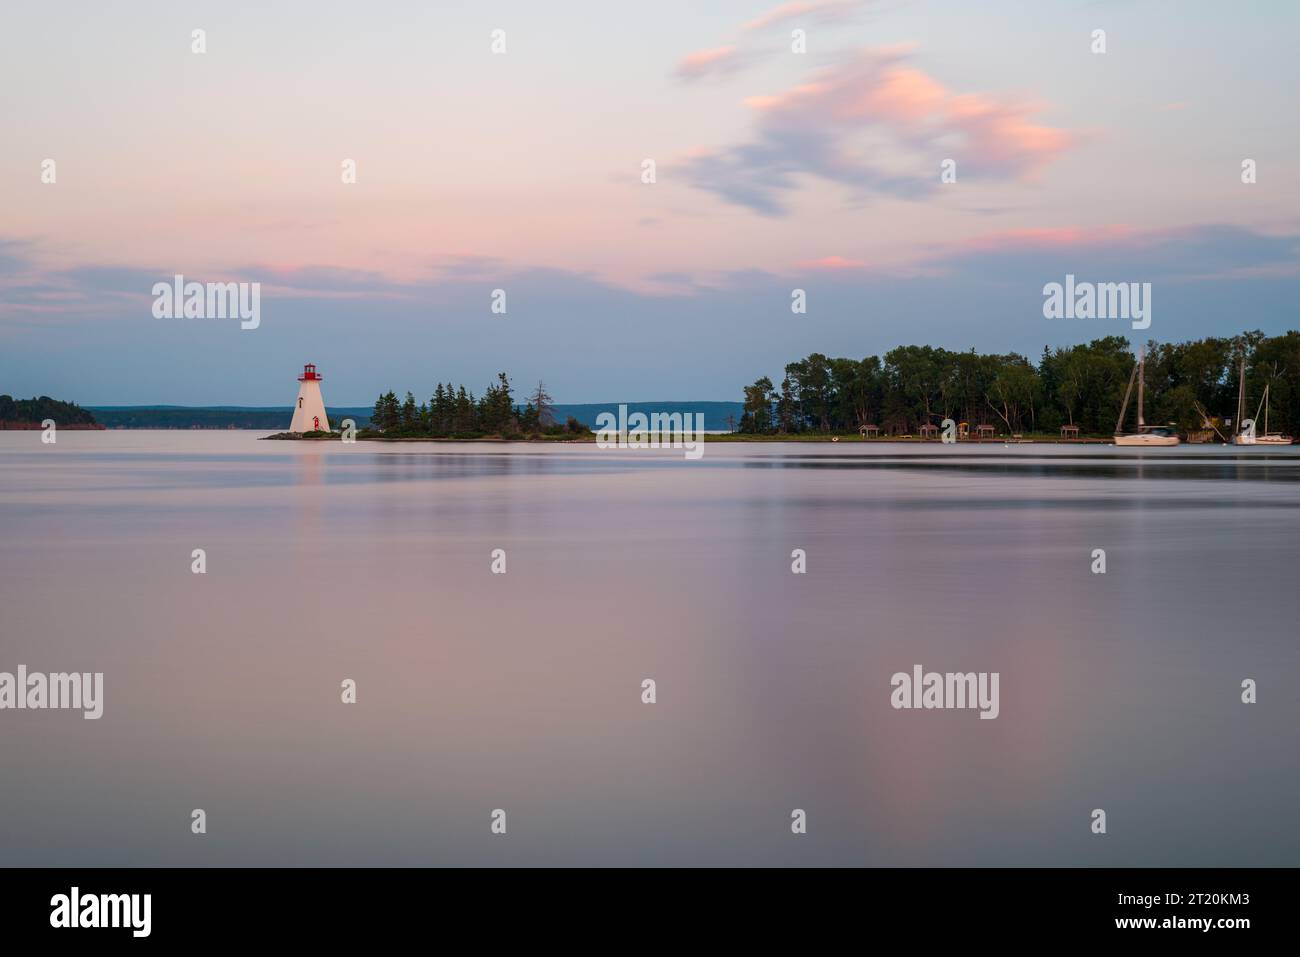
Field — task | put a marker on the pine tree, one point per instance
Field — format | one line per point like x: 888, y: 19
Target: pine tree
x: 438, y: 411
x: 504, y: 407
x: 529, y: 421
x: 487, y: 410
x: 409, y: 415
x: 464, y: 419
x: 387, y: 413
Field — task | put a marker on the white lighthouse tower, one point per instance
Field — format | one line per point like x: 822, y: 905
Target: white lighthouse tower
x: 309, y: 413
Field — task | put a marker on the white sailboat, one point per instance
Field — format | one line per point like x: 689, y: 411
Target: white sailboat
x: 1146, y: 435
x: 1246, y: 433
x: 1242, y: 435
x: 1269, y: 438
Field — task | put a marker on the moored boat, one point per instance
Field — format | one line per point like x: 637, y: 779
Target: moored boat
x: 1146, y: 435
x: 1246, y: 433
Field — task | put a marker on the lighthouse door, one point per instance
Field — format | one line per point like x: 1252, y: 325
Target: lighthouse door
x: 300, y: 402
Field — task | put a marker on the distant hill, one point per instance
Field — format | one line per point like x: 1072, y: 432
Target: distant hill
x: 212, y: 416
x: 273, y: 418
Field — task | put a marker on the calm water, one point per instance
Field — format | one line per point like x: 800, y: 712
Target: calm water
x: 523, y: 691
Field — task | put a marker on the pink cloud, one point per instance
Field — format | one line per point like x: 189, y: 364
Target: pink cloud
x: 732, y: 57
x: 815, y: 129
x: 874, y: 87
x: 904, y: 96
x: 811, y: 9
x: 1002, y: 137
x: 703, y: 62
x: 835, y: 263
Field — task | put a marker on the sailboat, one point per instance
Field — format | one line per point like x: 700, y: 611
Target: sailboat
x: 1145, y: 434
x: 1269, y: 438
x: 1249, y: 436
x: 1242, y: 436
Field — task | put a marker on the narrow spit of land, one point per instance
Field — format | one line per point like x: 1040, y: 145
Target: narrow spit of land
x: 708, y: 437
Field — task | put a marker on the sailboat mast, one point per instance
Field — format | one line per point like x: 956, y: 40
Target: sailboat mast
x: 1142, y: 374
x: 1241, y: 394
x: 1119, y: 425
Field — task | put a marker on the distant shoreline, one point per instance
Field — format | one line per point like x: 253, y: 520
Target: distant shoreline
x: 277, y: 418
x: 708, y: 437
x: 11, y: 426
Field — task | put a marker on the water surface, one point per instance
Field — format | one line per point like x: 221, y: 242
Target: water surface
x: 523, y: 691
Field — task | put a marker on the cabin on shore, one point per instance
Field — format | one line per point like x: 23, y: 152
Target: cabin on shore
x: 929, y: 430
x: 983, y: 431
x: 870, y: 430
x: 1070, y: 433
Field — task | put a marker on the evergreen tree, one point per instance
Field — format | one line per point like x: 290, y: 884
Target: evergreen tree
x: 438, y: 412
x: 504, y: 408
x: 464, y: 417
x: 757, y: 417
x: 386, y: 415
x: 409, y: 417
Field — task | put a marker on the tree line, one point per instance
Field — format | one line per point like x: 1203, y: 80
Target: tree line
x: 42, y: 408
x: 454, y: 412
x: 1080, y: 385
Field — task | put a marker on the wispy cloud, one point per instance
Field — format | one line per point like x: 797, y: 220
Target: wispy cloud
x: 1196, y: 253
x: 807, y: 11
x: 13, y: 256
x: 875, y: 123
x: 702, y: 63
x: 1052, y: 237
x: 743, y: 51
x: 833, y: 263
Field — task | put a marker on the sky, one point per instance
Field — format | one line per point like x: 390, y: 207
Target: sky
x: 524, y: 171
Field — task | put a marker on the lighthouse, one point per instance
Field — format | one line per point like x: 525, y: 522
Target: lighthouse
x: 309, y: 412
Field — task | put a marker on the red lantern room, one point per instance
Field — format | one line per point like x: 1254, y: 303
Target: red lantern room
x: 309, y: 373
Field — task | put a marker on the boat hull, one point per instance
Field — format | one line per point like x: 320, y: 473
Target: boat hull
x: 1147, y: 440
x: 1261, y: 440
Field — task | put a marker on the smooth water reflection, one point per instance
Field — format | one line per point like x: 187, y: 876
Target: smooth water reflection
x: 522, y: 691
